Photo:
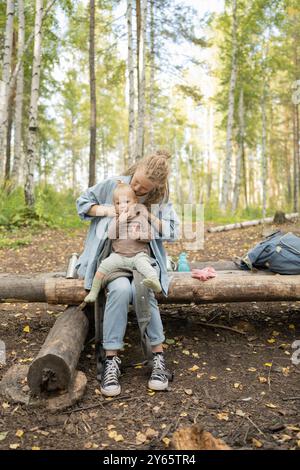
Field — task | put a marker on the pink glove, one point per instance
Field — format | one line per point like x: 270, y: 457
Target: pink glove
x: 204, y: 274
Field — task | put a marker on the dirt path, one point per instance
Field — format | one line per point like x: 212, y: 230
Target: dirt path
x: 239, y: 387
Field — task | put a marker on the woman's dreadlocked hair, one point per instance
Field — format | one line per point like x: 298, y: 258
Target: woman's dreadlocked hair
x: 157, y: 169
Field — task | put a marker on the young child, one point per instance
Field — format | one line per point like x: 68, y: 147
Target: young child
x: 130, y: 233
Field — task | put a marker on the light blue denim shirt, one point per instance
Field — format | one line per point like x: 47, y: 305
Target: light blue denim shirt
x: 102, y: 194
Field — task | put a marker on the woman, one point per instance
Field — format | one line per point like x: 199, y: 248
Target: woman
x: 149, y: 180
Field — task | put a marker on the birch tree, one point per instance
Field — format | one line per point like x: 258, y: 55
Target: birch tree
x: 230, y: 117
x: 141, y: 58
x: 4, y: 86
x: 93, y: 104
x: 131, y: 110
x: 33, y: 111
x: 152, y: 75
x: 18, y: 150
x: 240, y: 155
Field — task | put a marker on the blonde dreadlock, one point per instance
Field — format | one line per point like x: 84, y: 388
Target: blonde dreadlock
x: 157, y: 170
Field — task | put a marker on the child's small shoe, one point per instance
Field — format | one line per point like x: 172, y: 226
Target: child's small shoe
x: 95, y: 289
x: 152, y: 283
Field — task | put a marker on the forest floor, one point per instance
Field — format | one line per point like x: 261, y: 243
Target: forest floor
x: 241, y: 387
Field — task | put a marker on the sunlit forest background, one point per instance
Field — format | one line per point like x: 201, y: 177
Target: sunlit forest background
x: 88, y: 87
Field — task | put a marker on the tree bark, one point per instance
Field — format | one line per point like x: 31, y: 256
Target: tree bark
x: 93, y: 104
x: 4, y: 85
x: 18, y: 150
x: 54, y: 367
x: 228, y: 286
x: 263, y: 151
x: 33, y: 112
x: 141, y: 78
x: 131, y: 108
x: 240, y: 159
x: 226, y: 188
x: 152, y: 77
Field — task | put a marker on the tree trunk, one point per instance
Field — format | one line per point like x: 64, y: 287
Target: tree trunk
x: 55, y: 364
x: 8, y: 142
x: 263, y: 151
x: 18, y: 150
x: 131, y: 110
x: 295, y: 163
x: 152, y: 76
x: 33, y: 112
x: 240, y: 154
x: 4, y: 85
x: 141, y: 79
x: 226, y: 188
x: 93, y: 111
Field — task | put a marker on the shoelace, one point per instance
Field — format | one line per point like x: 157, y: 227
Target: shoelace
x: 159, y: 368
x: 111, y: 371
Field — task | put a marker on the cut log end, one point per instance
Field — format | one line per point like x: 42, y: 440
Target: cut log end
x: 48, y: 373
x: 195, y: 438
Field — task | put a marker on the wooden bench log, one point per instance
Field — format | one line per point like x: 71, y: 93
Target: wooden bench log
x: 228, y: 286
x: 54, y: 367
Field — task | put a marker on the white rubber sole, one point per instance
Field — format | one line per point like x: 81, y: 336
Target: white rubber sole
x: 157, y: 386
x: 111, y: 393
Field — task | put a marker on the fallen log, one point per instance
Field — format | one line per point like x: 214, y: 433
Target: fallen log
x: 54, y: 367
x: 249, y: 223
x: 25, y: 287
x: 228, y: 286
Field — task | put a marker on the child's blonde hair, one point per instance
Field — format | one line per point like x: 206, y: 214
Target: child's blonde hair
x: 157, y: 170
x: 123, y: 187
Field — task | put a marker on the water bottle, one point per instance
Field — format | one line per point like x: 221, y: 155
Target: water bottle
x: 183, y: 264
x: 71, y: 270
x: 171, y: 264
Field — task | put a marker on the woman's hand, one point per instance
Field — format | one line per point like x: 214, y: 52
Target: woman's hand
x: 110, y: 211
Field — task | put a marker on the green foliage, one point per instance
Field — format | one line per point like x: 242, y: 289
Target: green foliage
x: 53, y: 209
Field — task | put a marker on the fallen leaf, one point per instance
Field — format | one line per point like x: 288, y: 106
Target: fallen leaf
x: 5, y: 405
x: 19, y: 433
x: 26, y: 329
x: 188, y: 391
x: 3, y: 435
x: 183, y: 414
x: 195, y: 355
x: 240, y: 413
x: 270, y: 405
x: 35, y: 448
x: 268, y: 364
x: 238, y: 385
x: 150, y: 433
x: 114, y: 435
x: 170, y: 341
x: 285, y: 438
x: 223, y: 416
x: 293, y: 428
x: 213, y: 377
x: 257, y: 443
x: 166, y: 441
x: 285, y: 371
x: 186, y: 352
x: 14, y: 446
x: 140, y: 438
x: 263, y: 380
x: 194, y: 368
x: 252, y: 369
x: 271, y: 340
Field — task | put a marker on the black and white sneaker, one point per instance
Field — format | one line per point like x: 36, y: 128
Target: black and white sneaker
x: 110, y: 386
x: 160, y: 375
